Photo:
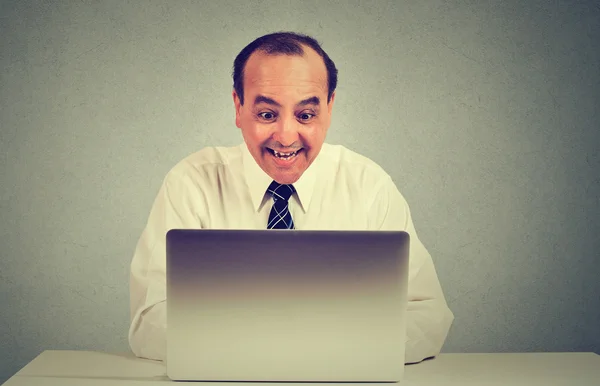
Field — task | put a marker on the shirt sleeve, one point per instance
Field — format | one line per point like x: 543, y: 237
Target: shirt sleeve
x: 428, y: 315
x: 147, y: 333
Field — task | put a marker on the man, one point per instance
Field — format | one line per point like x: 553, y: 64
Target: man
x: 284, y: 91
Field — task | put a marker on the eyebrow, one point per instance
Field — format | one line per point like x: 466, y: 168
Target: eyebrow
x: 267, y: 100
x: 308, y: 101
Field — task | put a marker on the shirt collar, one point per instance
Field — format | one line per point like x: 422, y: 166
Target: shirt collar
x: 258, y: 181
x: 305, y: 186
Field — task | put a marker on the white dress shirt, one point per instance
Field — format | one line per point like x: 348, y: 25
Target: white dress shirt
x: 224, y: 188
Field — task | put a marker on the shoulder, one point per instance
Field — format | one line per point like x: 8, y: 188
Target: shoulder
x: 212, y: 157
x: 350, y: 164
x: 209, y: 162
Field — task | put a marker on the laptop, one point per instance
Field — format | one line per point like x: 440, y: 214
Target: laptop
x: 286, y: 305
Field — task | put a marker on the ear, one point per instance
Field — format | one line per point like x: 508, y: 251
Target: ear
x: 330, y: 103
x: 238, y: 108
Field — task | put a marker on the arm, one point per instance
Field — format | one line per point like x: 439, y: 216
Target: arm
x: 428, y: 315
x: 173, y: 208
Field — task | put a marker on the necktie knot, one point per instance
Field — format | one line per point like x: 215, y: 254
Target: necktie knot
x: 280, y: 191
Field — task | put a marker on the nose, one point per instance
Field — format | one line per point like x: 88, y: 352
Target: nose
x: 286, y: 131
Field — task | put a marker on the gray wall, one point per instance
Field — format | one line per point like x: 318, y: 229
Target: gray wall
x: 485, y: 114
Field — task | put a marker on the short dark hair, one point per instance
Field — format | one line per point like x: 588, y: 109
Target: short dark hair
x: 284, y: 43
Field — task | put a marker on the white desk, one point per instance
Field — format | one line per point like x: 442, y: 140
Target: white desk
x: 83, y: 368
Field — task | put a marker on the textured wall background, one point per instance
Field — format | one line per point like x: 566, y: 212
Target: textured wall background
x: 485, y: 113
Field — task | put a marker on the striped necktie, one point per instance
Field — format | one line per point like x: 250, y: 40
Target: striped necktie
x: 280, y: 216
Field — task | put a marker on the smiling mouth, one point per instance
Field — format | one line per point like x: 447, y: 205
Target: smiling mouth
x: 284, y: 156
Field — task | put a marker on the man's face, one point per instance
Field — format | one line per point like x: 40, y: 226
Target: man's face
x: 285, y: 115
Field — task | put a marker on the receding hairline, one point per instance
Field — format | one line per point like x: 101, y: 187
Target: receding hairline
x: 304, y: 52
x: 282, y: 43
x: 260, y: 52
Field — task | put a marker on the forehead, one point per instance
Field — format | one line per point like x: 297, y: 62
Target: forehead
x: 285, y: 76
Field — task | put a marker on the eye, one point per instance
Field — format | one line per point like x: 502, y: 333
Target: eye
x: 267, y: 115
x: 305, y: 117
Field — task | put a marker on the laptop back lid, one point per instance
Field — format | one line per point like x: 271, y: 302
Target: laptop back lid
x: 269, y: 305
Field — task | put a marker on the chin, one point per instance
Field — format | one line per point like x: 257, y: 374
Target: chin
x: 286, y: 179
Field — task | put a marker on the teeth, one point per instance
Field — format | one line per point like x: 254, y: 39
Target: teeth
x: 284, y: 156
